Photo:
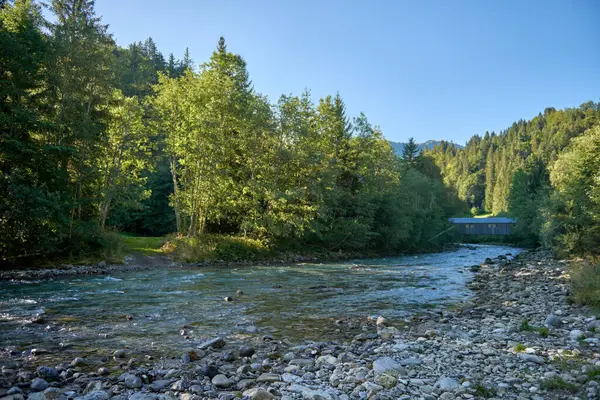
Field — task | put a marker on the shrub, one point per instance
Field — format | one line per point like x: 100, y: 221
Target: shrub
x: 585, y: 282
x: 88, y: 242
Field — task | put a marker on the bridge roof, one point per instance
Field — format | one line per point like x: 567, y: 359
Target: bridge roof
x: 490, y: 220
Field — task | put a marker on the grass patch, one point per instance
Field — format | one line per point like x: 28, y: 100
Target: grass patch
x: 585, y: 282
x: 558, y: 383
x: 482, y: 391
x: 593, y: 373
x: 543, y: 331
x: 144, y: 245
x: 211, y: 247
x: 527, y: 327
x: 519, y: 348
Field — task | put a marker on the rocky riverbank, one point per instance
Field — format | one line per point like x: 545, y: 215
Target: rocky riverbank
x: 516, y: 338
x: 133, y: 262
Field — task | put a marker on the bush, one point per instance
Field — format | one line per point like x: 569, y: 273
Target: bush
x: 585, y: 282
x: 89, y: 242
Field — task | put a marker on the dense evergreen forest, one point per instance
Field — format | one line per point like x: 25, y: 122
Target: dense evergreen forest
x: 98, y: 139
x: 544, y: 171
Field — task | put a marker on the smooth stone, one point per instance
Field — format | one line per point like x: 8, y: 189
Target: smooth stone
x: 290, y: 378
x: 593, y: 325
x: 308, y: 393
x: 302, y: 362
x: 327, y: 359
x: 78, y: 362
x: 411, y: 361
x: 258, y: 394
x: 387, y: 365
x: 221, y: 381
x: 532, y: 358
x: 216, y: 343
x: 576, y: 334
x: 120, y: 354
x: 48, y: 373
x: 132, y: 381
x: 553, y: 321
x: 447, y: 384
x: 209, y: 370
x: 38, y: 385
x: 103, y: 371
x: 246, y: 351
x: 37, y: 396
x: 159, y: 385
x: 266, y: 377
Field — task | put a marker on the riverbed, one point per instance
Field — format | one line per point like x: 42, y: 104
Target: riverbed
x: 163, y: 310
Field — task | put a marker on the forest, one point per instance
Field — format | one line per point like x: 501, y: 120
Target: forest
x: 545, y: 172
x: 98, y: 139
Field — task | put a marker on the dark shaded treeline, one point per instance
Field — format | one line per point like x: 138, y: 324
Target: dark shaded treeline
x: 544, y: 171
x: 96, y: 138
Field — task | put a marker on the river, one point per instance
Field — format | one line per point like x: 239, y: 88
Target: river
x: 161, y: 311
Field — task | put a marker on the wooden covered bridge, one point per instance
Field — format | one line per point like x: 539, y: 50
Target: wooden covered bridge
x: 484, y: 226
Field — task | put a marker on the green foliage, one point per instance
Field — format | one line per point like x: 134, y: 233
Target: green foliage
x: 559, y: 384
x: 300, y: 172
x: 410, y: 152
x: 574, y: 226
x: 71, y: 145
x: 542, y: 171
x: 543, y: 331
x: 585, y: 282
x: 483, y: 391
x: 593, y: 373
x: 525, y: 327
x: 211, y: 247
x: 519, y: 348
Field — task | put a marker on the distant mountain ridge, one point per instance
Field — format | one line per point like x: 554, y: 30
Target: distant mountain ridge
x: 430, y: 144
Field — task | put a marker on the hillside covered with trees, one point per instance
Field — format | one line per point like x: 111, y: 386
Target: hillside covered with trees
x: 544, y: 171
x: 96, y: 138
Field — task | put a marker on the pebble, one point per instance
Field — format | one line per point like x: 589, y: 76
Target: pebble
x: 221, y: 381
x: 247, y: 351
x: 38, y: 385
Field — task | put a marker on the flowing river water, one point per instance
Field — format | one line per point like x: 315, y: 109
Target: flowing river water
x: 146, y: 310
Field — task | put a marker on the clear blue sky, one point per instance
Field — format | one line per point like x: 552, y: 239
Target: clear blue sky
x: 428, y: 69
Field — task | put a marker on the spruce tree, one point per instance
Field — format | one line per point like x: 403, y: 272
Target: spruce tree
x: 410, y: 152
